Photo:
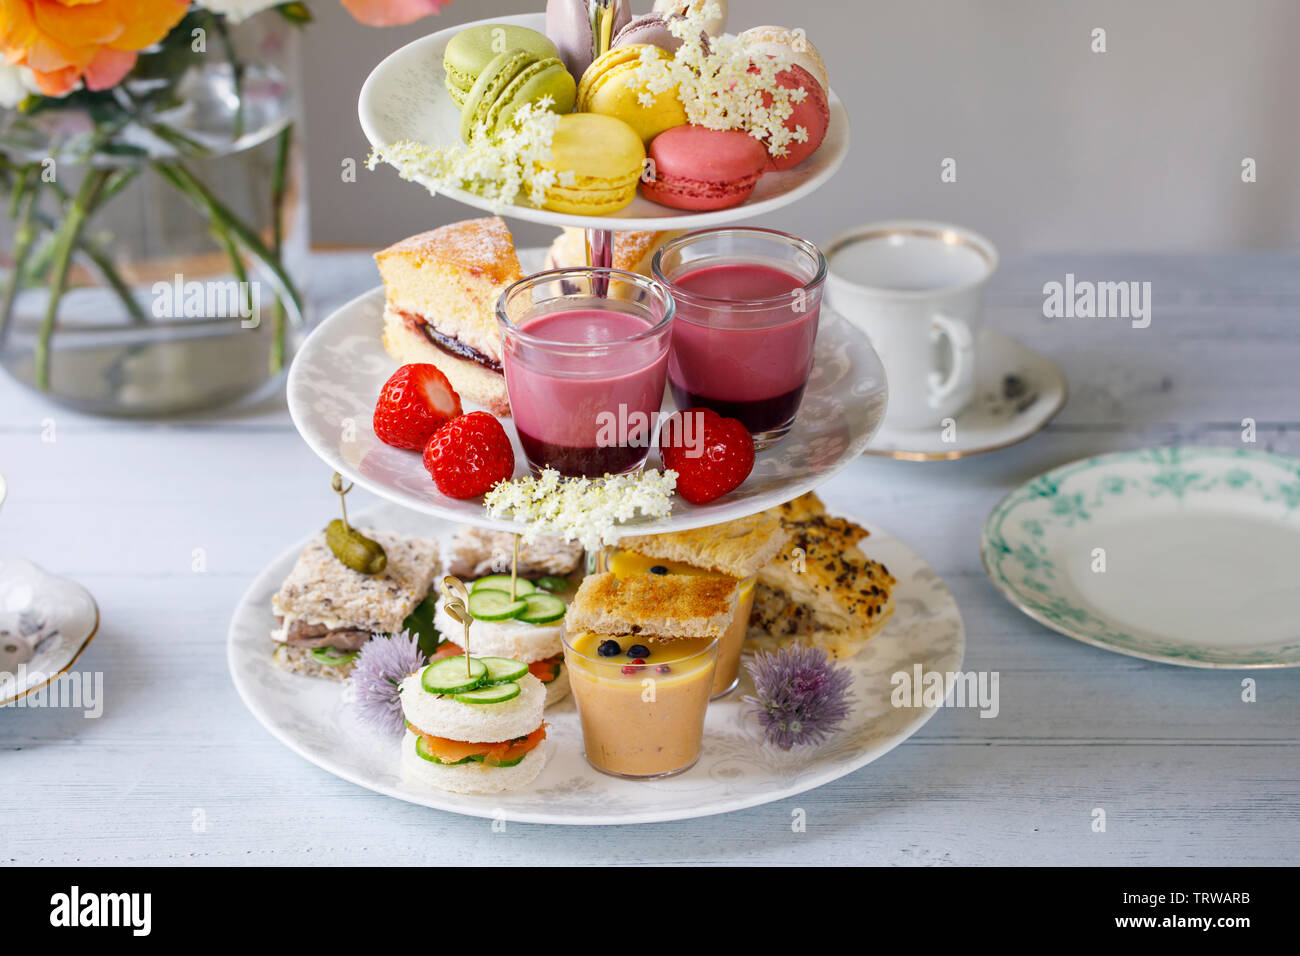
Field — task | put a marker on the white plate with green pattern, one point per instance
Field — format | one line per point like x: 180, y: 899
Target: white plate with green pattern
x: 1181, y: 555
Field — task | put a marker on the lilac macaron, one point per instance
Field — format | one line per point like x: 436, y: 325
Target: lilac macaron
x: 650, y: 28
x: 568, y: 26
x: 700, y: 169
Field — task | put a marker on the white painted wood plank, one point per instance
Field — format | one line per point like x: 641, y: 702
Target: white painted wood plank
x: 1186, y: 772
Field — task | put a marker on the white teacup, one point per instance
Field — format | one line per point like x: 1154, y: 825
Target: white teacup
x: 915, y: 288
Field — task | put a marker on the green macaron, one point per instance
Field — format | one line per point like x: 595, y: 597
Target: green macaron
x: 510, y: 80
x: 470, y: 50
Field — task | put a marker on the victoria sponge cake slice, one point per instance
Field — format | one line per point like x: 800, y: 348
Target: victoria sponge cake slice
x: 441, y: 291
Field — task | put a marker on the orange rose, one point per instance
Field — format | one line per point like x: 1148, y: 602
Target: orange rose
x: 66, y: 41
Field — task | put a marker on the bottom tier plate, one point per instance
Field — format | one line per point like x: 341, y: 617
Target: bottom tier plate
x: 737, y: 770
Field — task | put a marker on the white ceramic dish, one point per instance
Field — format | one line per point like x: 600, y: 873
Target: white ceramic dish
x: 404, y: 99
x: 337, y: 373
x: 737, y: 770
x: 1180, y: 555
x: 45, y: 623
x: 1003, y: 412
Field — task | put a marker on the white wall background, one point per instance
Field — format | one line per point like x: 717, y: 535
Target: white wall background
x: 1057, y: 147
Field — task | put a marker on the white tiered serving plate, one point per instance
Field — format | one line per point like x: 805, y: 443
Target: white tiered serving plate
x: 338, y: 372
x: 404, y: 99
x: 736, y: 770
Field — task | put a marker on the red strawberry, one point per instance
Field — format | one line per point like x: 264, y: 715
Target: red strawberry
x: 469, y: 455
x: 413, y: 404
x: 712, y: 455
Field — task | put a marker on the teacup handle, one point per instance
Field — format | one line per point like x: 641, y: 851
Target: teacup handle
x: 962, y: 345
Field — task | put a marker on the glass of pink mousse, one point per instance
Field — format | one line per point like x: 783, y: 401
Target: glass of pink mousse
x: 748, y: 302
x: 585, y: 356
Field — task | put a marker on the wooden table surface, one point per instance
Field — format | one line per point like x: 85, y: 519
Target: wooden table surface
x: 1186, y: 771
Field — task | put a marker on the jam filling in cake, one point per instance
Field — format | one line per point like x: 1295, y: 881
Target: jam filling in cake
x: 450, y: 344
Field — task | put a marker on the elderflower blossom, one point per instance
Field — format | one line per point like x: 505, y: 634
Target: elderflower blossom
x: 581, y: 509
x: 720, y: 85
x: 499, y: 168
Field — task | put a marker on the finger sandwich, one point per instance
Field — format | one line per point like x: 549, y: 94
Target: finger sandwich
x: 532, y: 635
x: 325, y: 611
x: 473, y: 725
x: 475, y: 552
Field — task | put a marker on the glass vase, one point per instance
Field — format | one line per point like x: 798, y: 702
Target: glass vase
x: 156, y: 233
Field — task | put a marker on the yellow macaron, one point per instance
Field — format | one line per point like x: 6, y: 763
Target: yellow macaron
x: 598, y: 160
x: 611, y: 86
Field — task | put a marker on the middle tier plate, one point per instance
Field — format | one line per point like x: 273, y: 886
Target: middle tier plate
x: 338, y: 372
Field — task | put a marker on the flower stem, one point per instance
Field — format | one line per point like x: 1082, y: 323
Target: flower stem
x: 24, y: 239
x: 236, y: 72
x: 69, y: 235
x: 102, y: 260
x: 217, y: 213
x: 279, y: 179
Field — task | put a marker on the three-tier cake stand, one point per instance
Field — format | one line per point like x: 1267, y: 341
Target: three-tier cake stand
x: 332, y: 386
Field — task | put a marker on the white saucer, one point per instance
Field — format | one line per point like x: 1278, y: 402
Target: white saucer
x: 45, y: 623
x: 1018, y: 393
x: 736, y: 769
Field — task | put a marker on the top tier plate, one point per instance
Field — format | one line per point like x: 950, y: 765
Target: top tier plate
x: 404, y: 99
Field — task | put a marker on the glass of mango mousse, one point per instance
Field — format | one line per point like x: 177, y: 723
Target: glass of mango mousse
x: 736, y: 551
x: 641, y: 653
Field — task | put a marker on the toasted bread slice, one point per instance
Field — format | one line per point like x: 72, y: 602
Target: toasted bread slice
x: 738, y: 548
x: 663, y: 606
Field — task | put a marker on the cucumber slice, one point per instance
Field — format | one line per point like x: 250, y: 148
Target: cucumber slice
x: 501, y: 582
x: 448, y: 676
x: 422, y: 750
x: 542, y: 608
x: 491, y: 694
x: 505, y: 763
x: 501, y: 669
x: 551, y: 583
x: 332, y: 657
x: 492, y: 605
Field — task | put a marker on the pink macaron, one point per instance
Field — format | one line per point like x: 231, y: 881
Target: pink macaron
x: 813, y: 113
x: 699, y: 169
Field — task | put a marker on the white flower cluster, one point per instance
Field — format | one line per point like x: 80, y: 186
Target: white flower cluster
x: 720, y: 85
x: 498, y: 168
x: 582, y: 509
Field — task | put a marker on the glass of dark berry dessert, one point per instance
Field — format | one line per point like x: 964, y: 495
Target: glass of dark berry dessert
x: 748, y: 302
x: 585, y: 355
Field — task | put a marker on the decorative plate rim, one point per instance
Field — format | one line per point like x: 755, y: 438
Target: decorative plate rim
x: 81, y: 649
x: 683, y: 517
x: 272, y: 571
x: 1192, y: 655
